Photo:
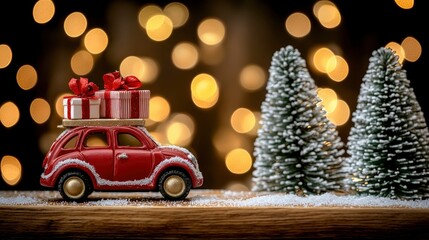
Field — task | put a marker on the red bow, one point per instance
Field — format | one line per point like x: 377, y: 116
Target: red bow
x: 82, y: 88
x: 114, y: 81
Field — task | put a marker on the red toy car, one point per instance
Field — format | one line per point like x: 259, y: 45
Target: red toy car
x: 117, y: 158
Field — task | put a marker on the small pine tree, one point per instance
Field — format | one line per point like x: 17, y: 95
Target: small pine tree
x: 388, y: 144
x: 297, y: 149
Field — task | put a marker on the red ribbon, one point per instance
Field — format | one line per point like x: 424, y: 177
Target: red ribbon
x: 114, y: 81
x: 82, y: 88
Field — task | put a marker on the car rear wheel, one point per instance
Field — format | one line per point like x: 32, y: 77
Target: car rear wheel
x: 74, y: 186
x: 174, y: 185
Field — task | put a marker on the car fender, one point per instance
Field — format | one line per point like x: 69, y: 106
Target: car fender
x: 65, y: 165
x: 178, y: 162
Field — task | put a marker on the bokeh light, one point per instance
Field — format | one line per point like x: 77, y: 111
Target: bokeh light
x: 341, y: 69
x: 324, y: 60
x: 412, y: 49
x: 9, y: 114
x: 211, y: 31
x: 82, y: 62
x: 59, y: 107
x: 40, y: 110
x: 252, y: 77
x: 96, y: 40
x: 298, y: 25
x: 147, y: 12
x: 341, y: 114
x: 329, y: 99
x: 43, y: 11
x: 159, y: 27
x: 405, y: 4
x: 177, y: 12
x: 26, y: 77
x: 178, y: 134
x: 11, y: 170
x: 399, y: 51
x: 5, y: 55
x: 327, y: 13
x: 185, y: 55
x: 225, y: 139
x: 243, y: 120
x: 75, y: 24
x: 159, y: 108
x: 238, y: 161
x: 204, y: 90
x: 143, y: 68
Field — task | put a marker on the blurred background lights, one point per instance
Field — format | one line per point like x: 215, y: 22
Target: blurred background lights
x: 75, y: 24
x: 144, y: 68
x: 40, y: 110
x: 225, y: 139
x: 159, y: 27
x: 177, y: 12
x: 204, y: 90
x: 5, y: 55
x: 82, y: 62
x: 405, y: 4
x: 252, y: 77
x: 9, y: 114
x: 327, y: 14
x: 398, y: 50
x: 43, y: 11
x: 324, y: 60
x: 96, y: 40
x: 412, y: 49
x: 26, y: 77
x: 59, y: 107
x: 238, y: 161
x: 178, y: 133
x: 159, y: 109
x: 329, y: 98
x: 341, y: 113
x: 11, y: 170
x: 211, y: 31
x: 341, y: 69
x: 298, y: 25
x: 243, y: 120
x: 147, y: 12
x: 185, y: 55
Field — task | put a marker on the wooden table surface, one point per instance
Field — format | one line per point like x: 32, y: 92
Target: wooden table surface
x: 43, y: 214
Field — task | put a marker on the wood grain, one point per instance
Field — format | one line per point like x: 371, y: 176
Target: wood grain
x: 79, y: 221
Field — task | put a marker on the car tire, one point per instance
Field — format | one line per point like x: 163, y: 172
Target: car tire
x: 174, y: 185
x: 74, y: 186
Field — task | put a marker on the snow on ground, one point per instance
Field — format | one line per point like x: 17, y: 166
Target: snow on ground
x: 205, y: 198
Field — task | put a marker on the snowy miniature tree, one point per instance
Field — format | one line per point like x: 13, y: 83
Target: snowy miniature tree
x: 297, y: 149
x: 388, y: 144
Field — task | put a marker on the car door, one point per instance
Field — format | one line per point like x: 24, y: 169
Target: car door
x: 133, y: 159
x: 96, y: 147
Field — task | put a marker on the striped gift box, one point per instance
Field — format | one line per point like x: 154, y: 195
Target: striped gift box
x: 122, y: 104
x: 81, y: 108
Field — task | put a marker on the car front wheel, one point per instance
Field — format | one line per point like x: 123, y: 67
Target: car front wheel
x: 174, y: 185
x: 74, y: 186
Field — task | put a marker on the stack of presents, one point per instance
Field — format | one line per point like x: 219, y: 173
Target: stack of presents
x: 119, y: 101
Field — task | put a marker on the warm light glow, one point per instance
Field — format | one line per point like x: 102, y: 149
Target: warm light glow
x: 9, y: 114
x: 399, y: 51
x: 298, y: 25
x: 11, y: 170
x: 185, y: 55
x: 96, y: 41
x: 243, y: 120
x: 178, y: 134
x: 46, y: 140
x: 238, y: 161
x: 185, y: 119
x: 147, y: 12
x: 324, y: 60
x: 341, y: 114
x: 341, y: 70
x: 252, y: 77
x: 224, y: 140
x: 329, y: 99
x: 75, y: 24
x: 5, y: 55
x: 412, y: 49
x: 212, y: 54
x: 82, y: 62
x: 159, y: 27
x: 26, y: 77
x: 177, y: 12
x: 211, y: 31
x: 40, y: 110
x: 405, y: 4
x: 43, y: 11
x: 204, y: 90
x: 159, y: 109
x: 59, y: 107
x: 143, y: 68
x: 327, y: 14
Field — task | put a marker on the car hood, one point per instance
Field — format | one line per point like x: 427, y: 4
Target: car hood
x: 171, y: 151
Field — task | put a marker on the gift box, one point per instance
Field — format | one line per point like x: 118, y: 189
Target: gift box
x: 123, y: 104
x: 81, y: 108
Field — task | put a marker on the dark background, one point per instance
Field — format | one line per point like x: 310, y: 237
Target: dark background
x: 254, y: 31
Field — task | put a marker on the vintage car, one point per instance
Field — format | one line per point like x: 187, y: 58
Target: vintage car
x: 84, y: 159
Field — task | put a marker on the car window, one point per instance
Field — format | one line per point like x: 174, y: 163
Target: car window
x: 128, y: 140
x: 71, y: 143
x: 96, y: 139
